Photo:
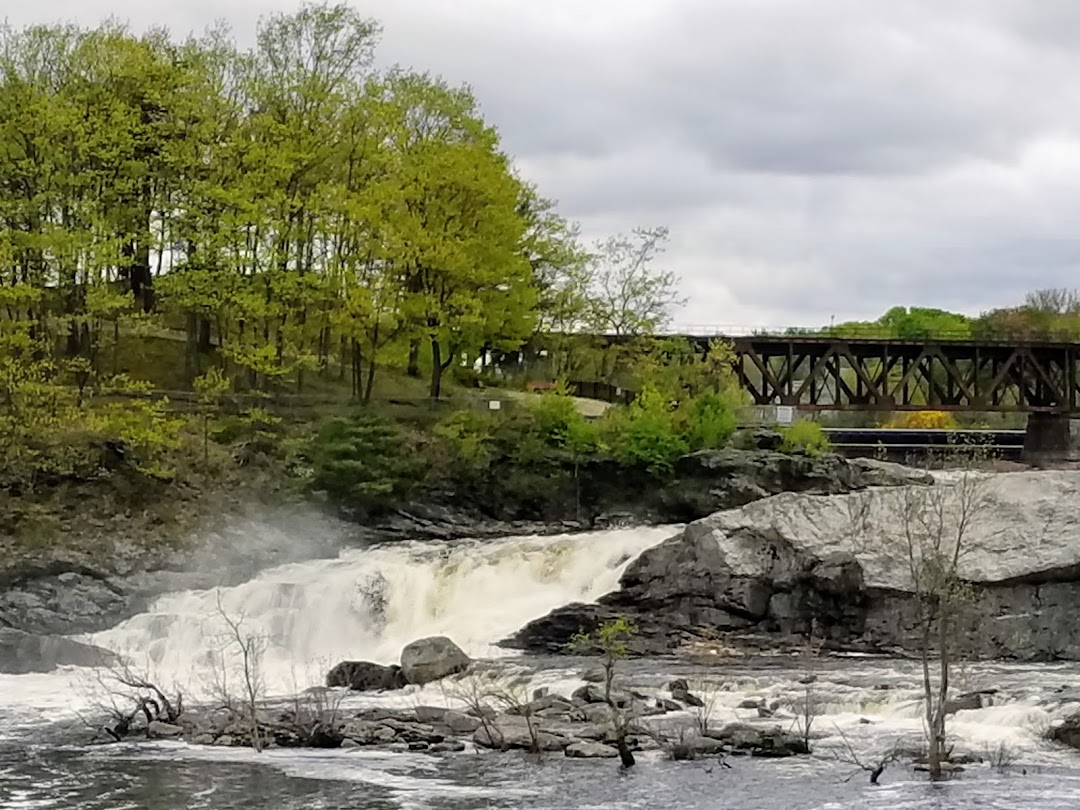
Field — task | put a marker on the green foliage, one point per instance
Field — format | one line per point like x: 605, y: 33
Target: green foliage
x: 470, y: 435
x: 646, y: 433
x: 363, y: 462
x: 611, y: 639
x: 143, y: 428
x: 254, y: 424
x: 710, y: 421
x: 915, y: 323
x: 805, y: 436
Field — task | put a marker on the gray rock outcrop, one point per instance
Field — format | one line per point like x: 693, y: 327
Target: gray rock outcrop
x: 839, y: 564
x: 590, y: 750
x: 22, y: 653
x: 430, y: 659
x: 364, y: 676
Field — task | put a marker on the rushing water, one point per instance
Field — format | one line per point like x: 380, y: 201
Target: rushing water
x: 369, y: 603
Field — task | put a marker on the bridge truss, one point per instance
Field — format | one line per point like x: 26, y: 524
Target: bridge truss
x: 862, y: 374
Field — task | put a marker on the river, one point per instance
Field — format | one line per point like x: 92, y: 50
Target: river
x: 368, y: 603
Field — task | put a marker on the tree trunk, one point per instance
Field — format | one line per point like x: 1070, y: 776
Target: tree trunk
x: 370, y: 380
x: 413, y: 369
x: 192, y: 347
x: 943, y: 689
x: 205, y: 340
x: 136, y: 252
x: 356, y: 368
x: 933, y: 754
x: 436, y: 368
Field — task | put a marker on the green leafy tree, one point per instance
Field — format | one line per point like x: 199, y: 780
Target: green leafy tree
x: 612, y: 640
x: 211, y: 387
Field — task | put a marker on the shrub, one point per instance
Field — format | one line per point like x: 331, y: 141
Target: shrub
x: 645, y: 434
x: 922, y: 420
x: 805, y: 436
x: 710, y: 421
x: 554, y: 417
x: 363, y: 462
x: 470, y: 435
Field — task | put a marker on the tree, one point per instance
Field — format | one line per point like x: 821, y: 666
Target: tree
x: 629, y: 297
x: 612, y: 641
x: 454, y: 228
x: 210, y: 388
x: 279, y: 205
x: 932, y: 528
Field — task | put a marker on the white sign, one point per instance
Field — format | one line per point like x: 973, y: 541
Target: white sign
x: 494, y: 405
x: 785, y: 414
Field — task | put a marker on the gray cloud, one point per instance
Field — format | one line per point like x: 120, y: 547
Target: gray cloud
x: 812, y: 160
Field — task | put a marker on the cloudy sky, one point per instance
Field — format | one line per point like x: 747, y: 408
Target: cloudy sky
x: 813, y: 160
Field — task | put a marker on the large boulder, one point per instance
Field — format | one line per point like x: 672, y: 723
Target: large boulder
x: 1068, y: 733
x: 590, y: 750
x: 771, y: 741
x: 21, y: 653
x: 364, y: 676
x: 430, y: 659
x: 513, y: 732
x: 837, y: 565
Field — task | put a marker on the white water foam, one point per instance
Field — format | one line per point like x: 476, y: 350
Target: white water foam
x: 367, y: 604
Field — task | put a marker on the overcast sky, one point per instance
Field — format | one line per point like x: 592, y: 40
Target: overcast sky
x: 816, y: 159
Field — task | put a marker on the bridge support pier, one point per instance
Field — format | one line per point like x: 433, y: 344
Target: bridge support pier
x: 1050, y: 438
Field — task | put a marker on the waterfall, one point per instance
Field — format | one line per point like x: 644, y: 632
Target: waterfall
x: 368, y: 603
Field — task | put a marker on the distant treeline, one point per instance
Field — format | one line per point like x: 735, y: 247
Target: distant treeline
x: 1050, y: 315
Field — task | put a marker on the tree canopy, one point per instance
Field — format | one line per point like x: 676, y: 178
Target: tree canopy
x: 282, y: 209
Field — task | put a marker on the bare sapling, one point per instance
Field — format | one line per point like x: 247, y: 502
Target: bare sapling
x: 249, y: 649
x: 936, y: 523
x: 809, y: 706
x: 473, y: 690
x: 874, y: 765
x: 316, y: 719
x: 124, y: 695
x: 513, y: 695
x: 709, y: 694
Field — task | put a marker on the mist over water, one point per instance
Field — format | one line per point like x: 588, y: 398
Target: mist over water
x: 366, y: 604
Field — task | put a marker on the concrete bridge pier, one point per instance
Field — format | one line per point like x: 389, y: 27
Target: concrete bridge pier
x: 1050, y: 438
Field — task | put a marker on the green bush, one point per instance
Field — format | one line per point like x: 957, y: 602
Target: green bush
x: 470, y: 435
x: 805, y: 436
x: 554, y: 417
x: 363, y: 462
x: 710, y: 421
x: 645, y: 434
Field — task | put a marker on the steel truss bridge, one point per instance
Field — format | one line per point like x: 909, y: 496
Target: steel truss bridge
x: 828, y: 373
